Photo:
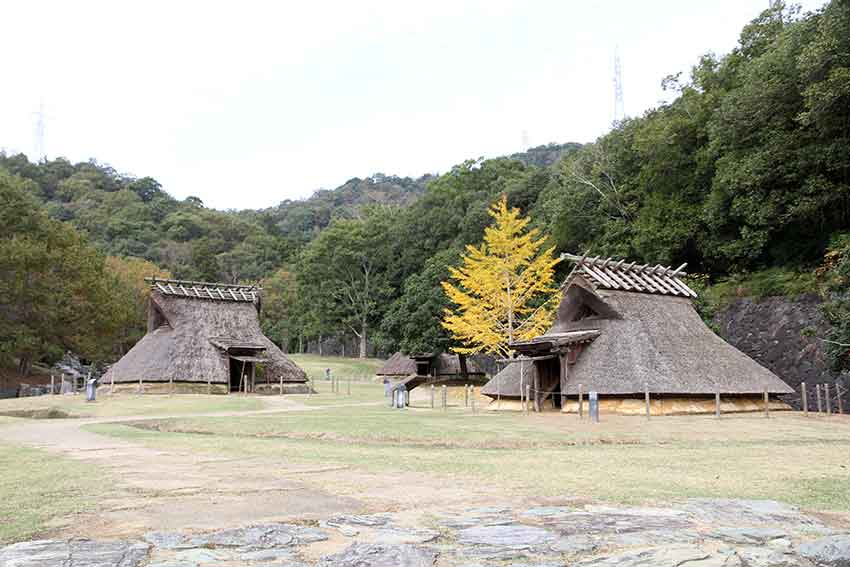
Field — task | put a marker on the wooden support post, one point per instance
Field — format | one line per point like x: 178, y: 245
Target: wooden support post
x: 466, y: 395
x: 209, y: 386
x: 766, y: 404
x: 281, y: 386
x: 838, y: 394
x: 140, y: 386
x: 805, y: 400
x: 717, y: 405
x: 537, y: 400
x: 527, y: 398
x: 580, y: 403
x: 647, y: 401
x: 432, y: 395
x: 111, y: 384
x: 171, y: 386
x: 245, y: 384
x: 52, y: 385
x: 445, y: 398
x: 826, y: 398
x: 820, y: 402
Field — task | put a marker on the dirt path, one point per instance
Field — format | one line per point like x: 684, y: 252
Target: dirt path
x: 152, y: 489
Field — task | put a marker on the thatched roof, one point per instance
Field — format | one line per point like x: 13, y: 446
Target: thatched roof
x: 398, y: 365
x: 190, y: 339
x: 507, y: 382
x: 447, y: 364
x: 628, y: 340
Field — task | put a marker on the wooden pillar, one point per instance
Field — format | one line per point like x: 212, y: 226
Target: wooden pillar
x: 820, y: 401
x: 536, y: 374
x: 111, y: 384
x: 766, y: 404
x: 466, y: 395
x: 717, y: 405
x: 564, y: 361
x: 52, y: 385
x: 433, y: 388
x: 445, y: 398
x: 253, y: 366
x: 646, y: 395
x: 805, y: 400
x: 838, y: 394
x: 826, y: 397
x: 527, y: 398
x: 580, y: 403
x: 209, y: 385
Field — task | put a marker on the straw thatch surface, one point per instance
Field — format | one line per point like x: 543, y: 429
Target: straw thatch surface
x: 398, y: 365
x: 660, y: 342
x: 507, y: 382
x: 179, y: 345
x: 447, y: 365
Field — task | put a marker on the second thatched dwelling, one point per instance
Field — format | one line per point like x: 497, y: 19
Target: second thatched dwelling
x: 623, y: 329
x: 206, y: 338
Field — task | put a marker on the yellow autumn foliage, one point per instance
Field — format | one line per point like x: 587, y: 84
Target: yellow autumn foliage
x: 504, y: 289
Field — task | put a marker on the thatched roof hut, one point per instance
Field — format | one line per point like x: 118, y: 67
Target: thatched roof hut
x: 439, y: 365
x: 205, y: 337
x: 622, y: 329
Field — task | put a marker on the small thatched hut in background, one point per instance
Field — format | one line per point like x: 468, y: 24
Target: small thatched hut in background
x: 435, y: 368
x: 205, y: 337
x: 622, y: 329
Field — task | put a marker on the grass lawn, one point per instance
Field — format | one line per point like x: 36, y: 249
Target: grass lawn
x: 805, y: 461
x: 37, y: 486
x: 129, y: 404
x: 344, y: 368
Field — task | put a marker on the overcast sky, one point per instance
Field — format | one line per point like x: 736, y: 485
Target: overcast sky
x: 244, y: 104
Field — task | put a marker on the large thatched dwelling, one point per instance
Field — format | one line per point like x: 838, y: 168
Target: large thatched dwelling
x: 205, y: 337
x: 621, y: 329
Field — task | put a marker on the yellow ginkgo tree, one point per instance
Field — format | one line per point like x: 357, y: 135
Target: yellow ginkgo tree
x: 503, y: 290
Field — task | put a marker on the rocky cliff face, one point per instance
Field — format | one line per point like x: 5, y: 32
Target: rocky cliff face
x: 780, y: 333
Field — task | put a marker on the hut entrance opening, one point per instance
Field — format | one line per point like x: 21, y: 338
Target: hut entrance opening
x: 243, y: 372
x: 549, y: 380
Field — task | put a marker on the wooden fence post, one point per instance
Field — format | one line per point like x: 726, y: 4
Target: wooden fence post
x: 473, y: 399
x: 445, y: 398
x: 838, y: 394
x: 820, y: 403
x: 527, y: 397
x: 111, y: 384
x: 647, y: 400
x: 281, y: 385
x: 766, y: 404
x: 432, y: 396
x: 466, y: 395
x: 717, y: 404
x: 171, y: 386
x: 209, y: 386
x: 580, y: 403
x: 828, y: 401
x: 140, y: 386
x: 805, y: 400
x: 52, y: 385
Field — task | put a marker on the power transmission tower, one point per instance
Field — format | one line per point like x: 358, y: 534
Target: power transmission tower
x: 619, y: 112
x: 40, y: 154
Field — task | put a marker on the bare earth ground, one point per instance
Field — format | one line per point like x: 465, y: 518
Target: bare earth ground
x: 307, y: 459
x: 173, y: 490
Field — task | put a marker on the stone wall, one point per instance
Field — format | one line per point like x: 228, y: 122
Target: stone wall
x: 781, y: 334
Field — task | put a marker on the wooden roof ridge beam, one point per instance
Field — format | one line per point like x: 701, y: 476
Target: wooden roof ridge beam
x: 686, y: 291
x: 661, y: 281
x: 631, y: 279
x: 597, y: 274
x: 678, y: 270
x: 617, y: 278
x: 647, y: 282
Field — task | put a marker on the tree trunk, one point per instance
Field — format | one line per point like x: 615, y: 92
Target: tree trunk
x: 464, y: 371
x: 363, y: 341
x: 24, y: 366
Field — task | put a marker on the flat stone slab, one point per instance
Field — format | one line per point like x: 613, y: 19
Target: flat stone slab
x: 667, y: 556
x: 380, y: 555
x: 832, y: 551
x: 509, y: 535
x: 74, y: 553
x: 748, y: 536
